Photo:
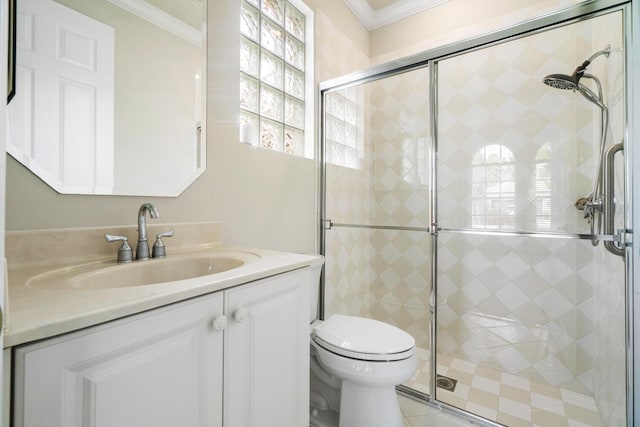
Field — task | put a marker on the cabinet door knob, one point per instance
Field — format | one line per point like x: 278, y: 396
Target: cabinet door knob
x: 219, y: 323
x: 240, y: 315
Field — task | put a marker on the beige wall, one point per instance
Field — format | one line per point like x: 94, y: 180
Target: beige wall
x: 264, y: 199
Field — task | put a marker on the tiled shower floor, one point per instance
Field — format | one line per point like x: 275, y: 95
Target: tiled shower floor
x: 509, y: 399
x: 416, y: 414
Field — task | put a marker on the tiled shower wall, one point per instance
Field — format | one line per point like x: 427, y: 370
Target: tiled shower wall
x: 400, y: 135
x: 609, y: 369
x: 522, y: 305
x: 548, y: 309
x: 386, y: 271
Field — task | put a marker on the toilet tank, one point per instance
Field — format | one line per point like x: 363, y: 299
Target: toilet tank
x: 314, y: 291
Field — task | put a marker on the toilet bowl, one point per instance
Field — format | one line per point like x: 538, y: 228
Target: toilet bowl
x: 355, y: 365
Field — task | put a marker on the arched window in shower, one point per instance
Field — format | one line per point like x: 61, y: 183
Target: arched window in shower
x: 493, y: 188
x: 543, y: 187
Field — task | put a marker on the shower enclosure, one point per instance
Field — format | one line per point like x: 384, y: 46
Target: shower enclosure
x: 473, y: 206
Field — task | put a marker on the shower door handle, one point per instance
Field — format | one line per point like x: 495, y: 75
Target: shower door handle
x: 608, y: 196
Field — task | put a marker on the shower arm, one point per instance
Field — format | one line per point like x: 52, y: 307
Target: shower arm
x: 580, y: 70
x: 606, y: 51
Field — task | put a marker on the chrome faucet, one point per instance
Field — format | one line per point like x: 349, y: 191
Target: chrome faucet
x: 142, y: 250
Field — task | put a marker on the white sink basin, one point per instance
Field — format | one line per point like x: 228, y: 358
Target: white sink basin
x: 143, y: 273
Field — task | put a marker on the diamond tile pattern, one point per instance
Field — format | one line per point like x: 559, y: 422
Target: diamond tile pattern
x: 399, y: 290
x: 514, y: 400
x: 500, y: 104
x: 509, y: 399
x: 388, y: 271
x: 509, y: 304
x: 557, y: 301
x: 532, y: 328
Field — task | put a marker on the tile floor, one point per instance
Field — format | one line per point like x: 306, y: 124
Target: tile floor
x: 416, y: 414
x: 510, y: 399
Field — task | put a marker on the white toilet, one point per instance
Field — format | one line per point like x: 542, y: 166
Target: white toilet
x: 355, y: 365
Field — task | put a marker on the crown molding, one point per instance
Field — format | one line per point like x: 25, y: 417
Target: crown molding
x: 161, y: 19
x: 373, y: 19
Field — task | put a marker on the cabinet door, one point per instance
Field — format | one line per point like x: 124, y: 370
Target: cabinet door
x: 160, y: 368
x: 267, y: 353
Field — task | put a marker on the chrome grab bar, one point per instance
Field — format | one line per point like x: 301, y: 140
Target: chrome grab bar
x: 608, y: 196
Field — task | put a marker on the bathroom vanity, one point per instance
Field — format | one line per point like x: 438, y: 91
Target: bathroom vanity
x: 225, y: 349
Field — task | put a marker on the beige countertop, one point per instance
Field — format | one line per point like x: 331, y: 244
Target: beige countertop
x: 41, y: 304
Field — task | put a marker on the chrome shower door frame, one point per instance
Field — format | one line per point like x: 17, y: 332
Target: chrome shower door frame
x: 631, y: 21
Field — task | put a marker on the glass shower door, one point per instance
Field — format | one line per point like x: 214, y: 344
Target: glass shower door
x: 530, y: 322
x: 377, y: 248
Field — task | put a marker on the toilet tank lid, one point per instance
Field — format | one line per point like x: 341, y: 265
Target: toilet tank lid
x: 361, y: 335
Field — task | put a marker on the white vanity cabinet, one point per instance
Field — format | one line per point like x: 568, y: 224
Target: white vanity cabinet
x: 161, y: 368
x: 244, y: 349
x: 267, y: 353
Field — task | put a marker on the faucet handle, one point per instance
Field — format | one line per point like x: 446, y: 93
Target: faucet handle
x: 158, y: 246
x: 125, y: 254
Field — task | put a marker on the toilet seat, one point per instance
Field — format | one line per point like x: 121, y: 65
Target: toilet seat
x: 363, y: 339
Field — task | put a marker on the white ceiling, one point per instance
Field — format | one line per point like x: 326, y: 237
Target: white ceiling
x: 380, y: 4
x: 378, y: 13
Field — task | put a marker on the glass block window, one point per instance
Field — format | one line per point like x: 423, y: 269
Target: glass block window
x: 276, y: 81
x: 341, y: 141
x: 543, y: 187
x: 493, y: 188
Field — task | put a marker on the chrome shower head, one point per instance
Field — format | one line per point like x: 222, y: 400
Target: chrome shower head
x: 565, y: 82
x: 572, y: 82
x: 562, y: 81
